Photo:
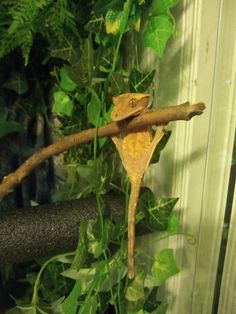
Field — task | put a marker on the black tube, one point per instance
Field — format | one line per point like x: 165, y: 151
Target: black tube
x: 44, y: 230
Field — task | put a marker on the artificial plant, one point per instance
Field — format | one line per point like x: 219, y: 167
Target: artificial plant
x: 85, y: 53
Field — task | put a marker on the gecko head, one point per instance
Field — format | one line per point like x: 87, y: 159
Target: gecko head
x: 128, y: 105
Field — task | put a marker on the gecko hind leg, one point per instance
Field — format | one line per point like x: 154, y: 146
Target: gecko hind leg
x: 160, y: 132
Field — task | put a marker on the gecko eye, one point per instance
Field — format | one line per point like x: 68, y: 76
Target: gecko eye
x: 132, y: 103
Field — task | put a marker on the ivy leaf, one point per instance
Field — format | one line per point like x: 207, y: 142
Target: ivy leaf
x: 116, y: 20
x: 158, y: 7
x: 162, y: 308
x: 139, y: 82
x: 116, y: 270
x: 85, y: 276
x: 81, y: 71
x: 135, y: 290
x: 104, y: 59
x: 117, y: 83
x: 7, y: 127
x: 70, y: 304
x: 160, y: 147
x: 66, y: 82
x: 17, y: 82
x: 158, y: 31
x: 62, y: 104
x: 157, y: 216
x: 164, y: 266
x: 82, y: 248
x: 97, y: 240
x: 113, y: 21
x: 151, y: 303
x: 95, y: 24
x: 173, y: 224
x: 157, y: 213
x: 90, y: 306
x: 67, y: 52
x: 94, y: 108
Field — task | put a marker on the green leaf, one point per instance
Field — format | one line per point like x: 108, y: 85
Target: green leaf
x: 7, y: 127
x: 84, y: 277
x: 82, y: 248
x: 116, y: 270
x: 140, y: 82
x: 157, y: 216
x: 67, y: 52
x: 173, y: 224
x: 160, y: 147
x: 90, y: 306
x: 94, y: 108
x: 17, y: 82
x: 113, y: 21
x: 135, y: 290
x: 164, y: 266
x: 150, y: 282
x: 125, y: 16
x: 157, y: 213
x: 81, y: 71
x: 117, y: 83
x: 158, y: 31
x: 97, y: 240
x: 75, y: 185
x: 70, y: 304
x: 104, y: 59
x: 96, y: 24
x: 62, y: 104
x: 162, y: 309
x: 66, y: 82
x: 151, y: 303
x: 116, y: 20
x: 158, y: 7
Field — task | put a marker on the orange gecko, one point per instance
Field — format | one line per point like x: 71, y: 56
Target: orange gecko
x: 135, y: 149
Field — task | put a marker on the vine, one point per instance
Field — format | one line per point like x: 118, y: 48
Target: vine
x: 80, y: 47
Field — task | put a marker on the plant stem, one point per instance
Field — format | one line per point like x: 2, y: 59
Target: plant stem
x: 126, y: 11
x: 34, y: 300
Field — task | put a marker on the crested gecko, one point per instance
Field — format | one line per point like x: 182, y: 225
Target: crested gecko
x: 135, y: 149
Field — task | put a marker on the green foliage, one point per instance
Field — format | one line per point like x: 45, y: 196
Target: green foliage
x: 157, y: 214
x: 17, y: 82
x: 159, y: 30
x: 26, y: 19
x: 139, y: 82
x: 66, y: 82
x: 7, y: 127
x: 160, y: 26
x: 164, y: 266
x: 62, y: 103
x: 98, y: 270
x: 74, y: 49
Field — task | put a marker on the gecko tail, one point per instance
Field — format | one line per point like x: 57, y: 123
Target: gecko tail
x: 136, y: 182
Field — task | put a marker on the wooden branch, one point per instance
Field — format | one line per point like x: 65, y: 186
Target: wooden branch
x: 156, y: 117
